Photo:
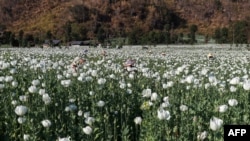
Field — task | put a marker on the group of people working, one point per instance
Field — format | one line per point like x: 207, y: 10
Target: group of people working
x: 129, y: 64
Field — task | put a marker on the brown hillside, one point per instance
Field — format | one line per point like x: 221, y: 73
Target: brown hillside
x: 120, y: 16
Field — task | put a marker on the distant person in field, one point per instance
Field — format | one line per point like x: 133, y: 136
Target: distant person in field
x: 163, y: 54
x: 104, y: 53
x: 129, y: 65
x: 210, y: 56
x: 85, y: 52
x: 77, y: 62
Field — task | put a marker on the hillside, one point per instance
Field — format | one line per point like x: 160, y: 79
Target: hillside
x: 118, y: 17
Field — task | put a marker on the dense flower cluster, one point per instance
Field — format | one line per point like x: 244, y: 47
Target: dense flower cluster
x: 165, y: 96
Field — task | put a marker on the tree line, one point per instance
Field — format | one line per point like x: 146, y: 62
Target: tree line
x: 26, y: 39
x: 236, y: 33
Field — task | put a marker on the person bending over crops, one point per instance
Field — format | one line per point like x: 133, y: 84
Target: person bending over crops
x: 104, y: 53
x: 85, y: 52
x: 210, y: 56
x: 129, y: 65
x: 77, y: 62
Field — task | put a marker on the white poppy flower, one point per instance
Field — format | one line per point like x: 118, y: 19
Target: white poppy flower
x: 163, y: 114
x: 131, y: 76
x: 166, y: 99
x: 91, y: 93
x: 101, y: 81
x: 71, y: 107
x: 46, y: 99
x: 129, y: 91
x: 164, y: 86
x: 232, y: 102
x: 8, y: 78
x: 66, y: 83
x: 86, y: 114
x: 21, y: 120
x: 183, y: 108
x: 165, y: 104
x: 146, y: 93
x: 202, y: 136
x: 154, y: 97
x: 232, y: 89
x: 21, y: 110
x: 190, y: 79
x: 14, y: 102
x: 26, y: 137
x: 246, y: 85
x: 59, y: 77
x: 235, y: 81
x: 87, y: 130
x: 94, y: 73
x: 79, y: 113
x: 35, y: 82
x: 223, y: 108
x: 41, y: 91
x: 32, y: 89
x: 64, y: 139
x: 23, y: 98
x: 112, y: 76
x: 215, y: 123
x: 89, y: 120
x: 138, y: 120
x: 46, y: 123
x: 14, y: 83
x: 100, y: 103
x: 88, y: 78
x: 1, y: 86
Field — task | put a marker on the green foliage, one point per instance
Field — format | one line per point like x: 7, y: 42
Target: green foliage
x: 80, y: 13
x: 101, y: 35
x: 11, y: 39
x: 68, y: 32
x: 5, y: 38
x: 152, y: 38
x: 240, y: 32
x: 217, y: 35
x: 221, y: 35
x: 170, y: 18
x: 49, y: 35
x: 24, y: 42
x: 116, y: 42
x: 29, y: 40
x: 134, y: 36
x: 193, y: 29
x: 2, y: 27
x: 20, y: 37
x: 155, y: 37
x: 78, y: 32
x: 37, y: 40
x: 224, y: 35
x: 65, y: 105
x: 218, y: 4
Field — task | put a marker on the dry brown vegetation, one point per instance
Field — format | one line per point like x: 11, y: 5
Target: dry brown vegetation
x: 120, y: 16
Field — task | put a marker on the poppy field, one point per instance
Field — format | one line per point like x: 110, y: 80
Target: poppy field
x: 176, y: 94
